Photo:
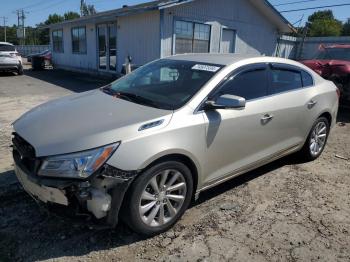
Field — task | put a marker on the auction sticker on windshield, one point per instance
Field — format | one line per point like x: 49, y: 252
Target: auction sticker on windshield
x: 208, y: 68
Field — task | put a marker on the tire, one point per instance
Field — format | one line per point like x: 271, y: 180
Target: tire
x: 309, y: 154
x: 142, y: 194
x: 20, y: 70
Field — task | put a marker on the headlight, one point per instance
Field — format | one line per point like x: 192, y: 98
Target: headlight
x: 77, y: 165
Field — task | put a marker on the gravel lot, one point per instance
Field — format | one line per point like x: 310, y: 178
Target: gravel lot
x: 285, y: 211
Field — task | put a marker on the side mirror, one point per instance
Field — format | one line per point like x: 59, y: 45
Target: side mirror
x: 226, y: 102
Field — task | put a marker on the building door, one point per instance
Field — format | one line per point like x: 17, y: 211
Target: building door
x: 228, y: 40
x: 107, y: 47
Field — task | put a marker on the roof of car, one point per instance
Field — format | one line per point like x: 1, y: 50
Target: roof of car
x: 5, y: 43
x: 338, y: 46
x: 229, y: 59
x: 212, y: 58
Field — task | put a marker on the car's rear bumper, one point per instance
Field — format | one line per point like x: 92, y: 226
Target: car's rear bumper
x: 10, y: 67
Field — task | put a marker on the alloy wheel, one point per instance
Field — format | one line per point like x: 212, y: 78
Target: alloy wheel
x: 318, y: 138
x: 162, y: 197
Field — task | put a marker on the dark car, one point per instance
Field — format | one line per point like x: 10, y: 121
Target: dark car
x: 333, y: 63
x: 46, y: 53
x: 40, y: 60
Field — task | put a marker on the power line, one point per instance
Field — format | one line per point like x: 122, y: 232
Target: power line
x: 299, y: 21
x: 296, y: 2
x: 34, y: 5
x: 47, y: 7
x: 313, y: 8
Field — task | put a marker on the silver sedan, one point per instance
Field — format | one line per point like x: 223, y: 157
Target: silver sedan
x: 150, y: 142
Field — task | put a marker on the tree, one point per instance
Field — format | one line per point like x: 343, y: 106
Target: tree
x: 53, y: 19
x: 87, y: 9
x: 43, y: 33
x: 321, y: 15
x: 346, y: 28
x: 323, y: 23
x: 10, y: 34
x: 70, y: 15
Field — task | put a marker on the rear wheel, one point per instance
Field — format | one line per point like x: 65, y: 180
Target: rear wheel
x: 316, y: 141
x: 158, y: 198
x: 20, y: 70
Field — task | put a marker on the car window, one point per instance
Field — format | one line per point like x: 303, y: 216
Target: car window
x: 7, y: 48
x: 168, y: 84
x: 250, y: 84
x: 283, y: 80
x: 307, y: 79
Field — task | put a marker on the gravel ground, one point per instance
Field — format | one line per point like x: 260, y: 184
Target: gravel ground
x: 285, y: 211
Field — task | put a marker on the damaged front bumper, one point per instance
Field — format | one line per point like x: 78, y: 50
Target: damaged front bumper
x: 101, y: 194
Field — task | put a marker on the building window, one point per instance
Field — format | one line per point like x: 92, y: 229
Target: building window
x: 191, y: 37
x: 57, y: 41
x: 79, y: 40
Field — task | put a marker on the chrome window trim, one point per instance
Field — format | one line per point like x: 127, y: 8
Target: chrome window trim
x: 234, y: 72
x: 244, y: 68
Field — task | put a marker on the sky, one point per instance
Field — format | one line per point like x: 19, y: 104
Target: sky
x: 38, y: 10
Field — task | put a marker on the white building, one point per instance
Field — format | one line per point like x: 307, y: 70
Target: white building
x: 100, y: 43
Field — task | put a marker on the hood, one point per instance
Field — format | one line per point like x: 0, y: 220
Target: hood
x: 84, y: 121
x: 326, y: 68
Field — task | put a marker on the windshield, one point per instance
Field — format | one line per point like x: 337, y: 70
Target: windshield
x: 6, y: 48
x: 334, y: 54
x: 166, y: 84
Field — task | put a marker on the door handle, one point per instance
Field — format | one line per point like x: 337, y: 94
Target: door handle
x: 311, y: 104
x: 267, y: 117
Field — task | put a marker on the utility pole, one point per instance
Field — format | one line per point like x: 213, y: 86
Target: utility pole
x: 4, y: 20
x: 20, y: 22
x: 82, y: 4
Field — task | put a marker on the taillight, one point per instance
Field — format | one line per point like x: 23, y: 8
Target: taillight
x: 338, y: 92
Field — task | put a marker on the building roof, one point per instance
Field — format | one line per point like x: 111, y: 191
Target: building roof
x: 262, y: 5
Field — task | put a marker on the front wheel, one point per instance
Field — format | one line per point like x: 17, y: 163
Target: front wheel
x: 158, y: 198
x: 316, y: 140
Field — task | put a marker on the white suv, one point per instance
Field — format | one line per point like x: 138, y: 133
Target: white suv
x: 10, y: 59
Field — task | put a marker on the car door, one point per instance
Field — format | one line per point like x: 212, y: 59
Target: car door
x: 237, y: 139
x: 292, y: 105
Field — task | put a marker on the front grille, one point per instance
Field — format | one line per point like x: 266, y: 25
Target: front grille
x: 24, y: 153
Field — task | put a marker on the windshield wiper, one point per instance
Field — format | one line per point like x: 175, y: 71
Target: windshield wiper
x: 137, y: 99
x: 108, y: 90
x: 132, y: 97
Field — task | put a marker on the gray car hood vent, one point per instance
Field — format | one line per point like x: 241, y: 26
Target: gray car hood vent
x: 151, y: 125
